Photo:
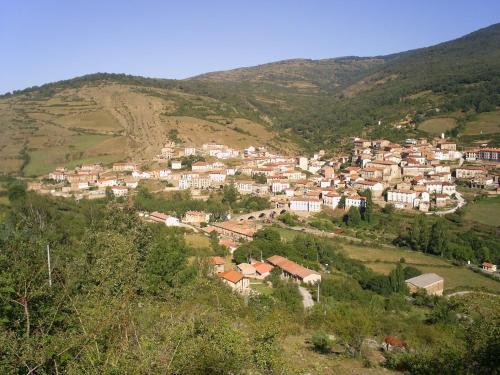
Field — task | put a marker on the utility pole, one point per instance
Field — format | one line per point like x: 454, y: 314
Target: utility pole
x: 48, y: 264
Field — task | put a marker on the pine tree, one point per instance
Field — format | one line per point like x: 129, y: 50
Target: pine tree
x: 353, y: 217
x: 368, y: 210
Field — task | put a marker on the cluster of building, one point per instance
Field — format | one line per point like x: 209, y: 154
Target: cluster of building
x: 416, y: 174
x: 239, y: 279
x: 90, y: 181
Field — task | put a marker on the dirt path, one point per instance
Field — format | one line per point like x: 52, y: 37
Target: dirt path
x: 307, y: 299
x: 465, y: 292
x: 461, y: 203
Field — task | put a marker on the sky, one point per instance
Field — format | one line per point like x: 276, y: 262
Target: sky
x: 43, y: 41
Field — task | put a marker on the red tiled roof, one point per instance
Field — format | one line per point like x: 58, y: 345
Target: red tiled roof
x: 158, y: 215
x: 262, y: 268
x: 232, y: 276
x: 218, y: 261
x: 276, y: 260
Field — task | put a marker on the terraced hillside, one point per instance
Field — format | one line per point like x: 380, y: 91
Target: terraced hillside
x: 111, y: 121
x: 452, y: 87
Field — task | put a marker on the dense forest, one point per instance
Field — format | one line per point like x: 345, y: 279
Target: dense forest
x: 126, y: 296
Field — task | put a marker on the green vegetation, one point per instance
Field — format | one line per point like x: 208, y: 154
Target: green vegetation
x: 178, y: 203
x: 164, y: 312
x: 437, y: 125
x: 385, y: 259
x: 484, y: 211
x: 69, y: 155
x: 484, y: 123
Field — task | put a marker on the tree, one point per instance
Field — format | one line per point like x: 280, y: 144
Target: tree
x: 164, y: 260
x: 419, y: 234
x: 229, y: 194
x: 342, y: 202
x: 397, y: 280
x: 410, y: 272
x: 438, y: 239
x: 260, y: 178
x: 368, y: 209
x: 353, y: 217
x: 109, y: 194
x: 289, y: 219
x: 16, y: 191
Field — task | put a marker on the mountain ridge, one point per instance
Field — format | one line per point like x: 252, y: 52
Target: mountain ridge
x: 307, y: 102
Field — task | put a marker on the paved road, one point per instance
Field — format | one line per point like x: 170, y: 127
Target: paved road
x: 307, y: 299
x: 461, y: 203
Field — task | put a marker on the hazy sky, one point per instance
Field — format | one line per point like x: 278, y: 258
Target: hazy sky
x: 48, y: 40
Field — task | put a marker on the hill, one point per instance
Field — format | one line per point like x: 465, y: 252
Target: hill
x: 103, y: 118
x: 286, y: 105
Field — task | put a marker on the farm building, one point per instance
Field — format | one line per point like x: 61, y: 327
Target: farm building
x: 235, y: 280
x: 432, y: 283
x: 294, y: 271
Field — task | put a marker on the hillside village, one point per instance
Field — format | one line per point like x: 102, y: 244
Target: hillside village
x: 213, y: 210
x: 419, y: 175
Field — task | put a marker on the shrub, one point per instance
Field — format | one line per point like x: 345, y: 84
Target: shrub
x: 321, y: 342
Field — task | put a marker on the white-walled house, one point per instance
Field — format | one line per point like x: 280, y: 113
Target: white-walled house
x: 119, y: 191
x: 305, y: 204
x: 168, y: 220
x: 188, y: 151
x: 245, y: 187
x: 331, y: 199
x: 294, y: 271
x: 142, y: 175
x: 279, y: 186
x: 354, y: 200
x: 107, y: 182
x: 376, y: 187
x: 176, y: 164
x: 401, y: 197
x: 236, y: 280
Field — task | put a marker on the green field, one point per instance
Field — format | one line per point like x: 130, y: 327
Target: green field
x: 484, y: 123
x: 383, y: 260
x: 70, y: 154
x: 486, y: 211
x: 197, y: 240
x: 261, y: 288
x: 438, y: 125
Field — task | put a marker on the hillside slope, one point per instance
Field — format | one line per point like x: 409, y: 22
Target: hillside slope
x: 284, y: 105
x: 108, y: 121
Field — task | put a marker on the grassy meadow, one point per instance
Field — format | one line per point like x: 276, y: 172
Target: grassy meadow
x: 484, y: 123
x: 485, y: 211
x: 70, y: 152
x: 438, y: 125
x: 383, y: 260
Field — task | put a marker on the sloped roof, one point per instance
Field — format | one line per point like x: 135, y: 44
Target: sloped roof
x: 218, y: 261
x: 276, y: 260
x: 262, y: 268
x: 425, y: 280
x: 232, y: 276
